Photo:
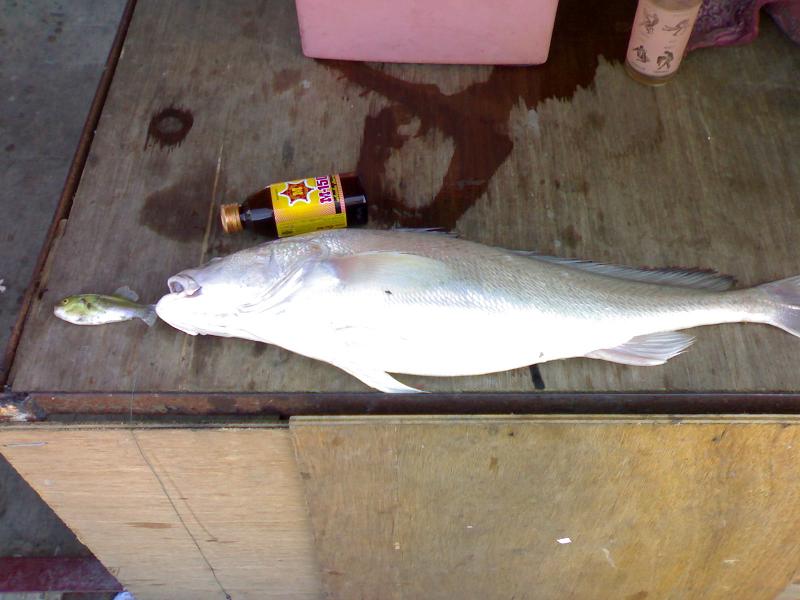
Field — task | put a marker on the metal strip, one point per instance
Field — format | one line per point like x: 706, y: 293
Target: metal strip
x: 88, y: 406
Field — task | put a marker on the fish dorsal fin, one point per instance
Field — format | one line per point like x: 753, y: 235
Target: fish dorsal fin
x: 437, y: 230
x: 127, y: 293
x: 687, y: 278
x: 389, y: 271
x: 646, y: 350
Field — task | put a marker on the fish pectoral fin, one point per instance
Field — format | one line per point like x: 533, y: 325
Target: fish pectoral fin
x: 380, y: 380
x: 389, y: 270
x: 127, y: 293
x: 646, y: 350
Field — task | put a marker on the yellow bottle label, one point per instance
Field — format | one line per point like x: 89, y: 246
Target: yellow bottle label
x: 308, y: 205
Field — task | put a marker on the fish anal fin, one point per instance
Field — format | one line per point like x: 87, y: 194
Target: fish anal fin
x: 646, y: 350
x: 380, y: 380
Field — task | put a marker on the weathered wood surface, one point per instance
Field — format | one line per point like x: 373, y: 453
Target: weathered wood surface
x: 475, y: 507
x: 570, y: 158
x: 179, y: 513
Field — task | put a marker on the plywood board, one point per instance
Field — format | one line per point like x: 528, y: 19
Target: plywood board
x: 504, y: 507
x: 212, y: 100
x: 179, y: 513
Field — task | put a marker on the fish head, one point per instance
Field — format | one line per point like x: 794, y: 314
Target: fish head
x: 216, y: 298
x: 83, y: 309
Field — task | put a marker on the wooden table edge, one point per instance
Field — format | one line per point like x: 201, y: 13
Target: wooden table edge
x: 89, y: 406
x: 254, y: 407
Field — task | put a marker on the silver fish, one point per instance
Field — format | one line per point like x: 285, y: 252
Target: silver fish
x: 377, y: 302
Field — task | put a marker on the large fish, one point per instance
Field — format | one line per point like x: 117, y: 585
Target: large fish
x: 378, y: 302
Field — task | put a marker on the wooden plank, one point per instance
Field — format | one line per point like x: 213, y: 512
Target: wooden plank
x: 571, y: 158
x: 178, y: 513
x: 474, y: 507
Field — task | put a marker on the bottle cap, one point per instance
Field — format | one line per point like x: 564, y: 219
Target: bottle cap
x: 229, y: 214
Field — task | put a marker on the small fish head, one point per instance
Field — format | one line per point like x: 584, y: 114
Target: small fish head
x: 83, y: 309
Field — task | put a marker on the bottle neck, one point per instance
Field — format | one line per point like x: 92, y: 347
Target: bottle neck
x: 231, y: 218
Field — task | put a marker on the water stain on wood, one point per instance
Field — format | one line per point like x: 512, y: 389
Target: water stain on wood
x: 146, y: 525
x: 571, y: 236
x: 287, y: 153
x: 257, y: 349
x: 476, y: 118
x: 169, y: 127
x: 179, y: 211
x: 285, y: 79
x: 205, y: 350
x: 250, y: 30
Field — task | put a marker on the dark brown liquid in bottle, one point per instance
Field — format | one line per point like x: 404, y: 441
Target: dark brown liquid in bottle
x: 256, y: 213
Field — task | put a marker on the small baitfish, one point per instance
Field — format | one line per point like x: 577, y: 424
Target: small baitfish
x: 378, y: 302
x: 99, y: 309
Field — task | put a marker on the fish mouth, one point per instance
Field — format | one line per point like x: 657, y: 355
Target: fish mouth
x: 183, y: 285
x: 171, y: 309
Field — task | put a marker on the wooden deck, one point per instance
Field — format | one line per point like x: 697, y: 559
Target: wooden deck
x: 212, y: 101
x: 154, y: 446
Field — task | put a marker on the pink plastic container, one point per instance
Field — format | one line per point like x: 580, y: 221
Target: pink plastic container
x: 496, y: 32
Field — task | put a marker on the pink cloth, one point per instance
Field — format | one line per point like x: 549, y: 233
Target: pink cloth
x: 725, y: 22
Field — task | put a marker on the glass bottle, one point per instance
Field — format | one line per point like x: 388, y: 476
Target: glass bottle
x: 301, y: 206
x: 661, y: 30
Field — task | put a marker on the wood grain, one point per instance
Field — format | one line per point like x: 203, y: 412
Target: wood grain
x: 459, y: 507
x: 570, y: 158
x: 179, y: 513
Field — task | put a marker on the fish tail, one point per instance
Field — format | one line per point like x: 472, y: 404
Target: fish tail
x: 149, y: 316
x: 785, y: 295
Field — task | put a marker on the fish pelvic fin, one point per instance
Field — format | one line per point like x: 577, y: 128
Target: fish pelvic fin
x: 381, y: 381
x: 646, y: 350
x: 785, y: 294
